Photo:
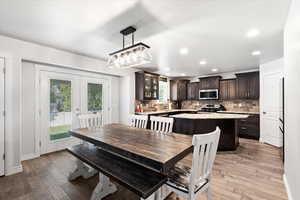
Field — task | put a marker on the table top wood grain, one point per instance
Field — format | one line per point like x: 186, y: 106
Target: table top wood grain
x: 146, y: 147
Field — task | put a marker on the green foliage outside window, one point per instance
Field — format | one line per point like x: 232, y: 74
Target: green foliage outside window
x: 60, y: 96
x: 94, y: 97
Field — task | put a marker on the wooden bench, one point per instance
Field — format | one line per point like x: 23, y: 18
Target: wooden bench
x: 137, y: 178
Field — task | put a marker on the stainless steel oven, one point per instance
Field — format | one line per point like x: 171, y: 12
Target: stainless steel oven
x: 209, y: 94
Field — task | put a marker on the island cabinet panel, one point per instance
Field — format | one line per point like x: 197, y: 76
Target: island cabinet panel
x: 248, y: 85
x: 193, y: 91
x: 249, y: 127
x: 146, y: 86
x: 212, y: 82
x: 229, y: 130
x: 178, y: 90
x: 227, y: 89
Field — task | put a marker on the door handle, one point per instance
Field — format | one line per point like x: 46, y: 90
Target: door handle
x: 77, y: 111
x: 264, y: 113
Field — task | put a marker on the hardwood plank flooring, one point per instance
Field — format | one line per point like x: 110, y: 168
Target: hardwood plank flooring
x: 253, y: 172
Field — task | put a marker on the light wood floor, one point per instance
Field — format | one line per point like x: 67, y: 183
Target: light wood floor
x: 253, y: 172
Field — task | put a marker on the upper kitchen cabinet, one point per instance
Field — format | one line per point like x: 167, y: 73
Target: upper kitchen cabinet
x: 227, y: 89
x: 146, y: 86
x: 212, y: 82
x: 178, y: 90
x: 247, y: 85
x: 193, y: 91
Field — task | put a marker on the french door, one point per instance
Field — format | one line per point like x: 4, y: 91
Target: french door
x: 2, y: 117
x: 62, y: 97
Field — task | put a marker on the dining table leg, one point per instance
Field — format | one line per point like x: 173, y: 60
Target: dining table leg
x: 82, y: 170
x: 103, y: 188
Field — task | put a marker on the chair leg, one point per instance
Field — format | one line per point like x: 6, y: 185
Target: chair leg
x: 208, y: 194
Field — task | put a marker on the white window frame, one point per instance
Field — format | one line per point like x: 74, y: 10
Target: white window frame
x: 168, y: 92
x: 106, y: 80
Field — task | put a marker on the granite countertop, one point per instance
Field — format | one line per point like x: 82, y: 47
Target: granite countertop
x: 210, y: 116
x: 240, y: 112
x: 166, y: 111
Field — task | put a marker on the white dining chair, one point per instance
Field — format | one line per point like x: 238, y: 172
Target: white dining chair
x: 190, y: 182
x: 90, y: 120
x: 139, y: 121
x: 162, y: 124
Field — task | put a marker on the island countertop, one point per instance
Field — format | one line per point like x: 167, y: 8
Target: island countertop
x: 210, y: 116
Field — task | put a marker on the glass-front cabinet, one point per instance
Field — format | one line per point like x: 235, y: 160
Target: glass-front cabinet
x: 147, y: 86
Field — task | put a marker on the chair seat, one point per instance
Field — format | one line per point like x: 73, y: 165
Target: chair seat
x: 179, y: 178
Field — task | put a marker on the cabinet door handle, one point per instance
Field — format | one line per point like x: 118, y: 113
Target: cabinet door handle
x: 243, y: 128
x: 264, y: 113
x: 243, y: 120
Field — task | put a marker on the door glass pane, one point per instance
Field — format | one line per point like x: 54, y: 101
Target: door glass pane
x: 60, y: 109
x: 95, y: 97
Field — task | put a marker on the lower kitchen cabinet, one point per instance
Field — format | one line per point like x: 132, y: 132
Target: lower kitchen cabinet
x: 249, y: 127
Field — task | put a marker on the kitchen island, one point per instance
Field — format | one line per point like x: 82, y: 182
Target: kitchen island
x: 202, y: 123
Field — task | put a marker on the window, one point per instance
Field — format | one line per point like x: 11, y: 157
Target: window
x: 60, y: 109
x: 163, y: 91
x: 95, y: 97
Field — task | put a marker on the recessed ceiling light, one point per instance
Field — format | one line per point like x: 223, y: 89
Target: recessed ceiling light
x: 214, y: 70
x: 183, y: 74
x: 202, y: 62
x: 167, y: 69
x: 256, y: 53
x: 252, y: 33
x: 184, y: 51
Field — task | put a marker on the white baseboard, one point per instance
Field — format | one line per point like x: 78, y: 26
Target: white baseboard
x: 13, y: 170
x: 29, y: 156
x: 277, y: 142
x: 287, y: 187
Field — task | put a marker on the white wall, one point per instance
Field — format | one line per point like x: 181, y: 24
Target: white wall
x: 127, y: 98
x: 28, y: 111
x: 14, y: 52
x: 292, y: 97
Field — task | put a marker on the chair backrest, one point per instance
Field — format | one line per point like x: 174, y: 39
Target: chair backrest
x: 139, y: 121
x: 162, y: 124
x: 90, y: 120
x: 205, y: 150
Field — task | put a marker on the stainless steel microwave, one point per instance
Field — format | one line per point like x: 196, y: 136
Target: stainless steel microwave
x: 209, y: 94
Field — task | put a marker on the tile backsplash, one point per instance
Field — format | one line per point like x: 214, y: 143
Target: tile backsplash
x: 230, y: 105
x: 149, y: 106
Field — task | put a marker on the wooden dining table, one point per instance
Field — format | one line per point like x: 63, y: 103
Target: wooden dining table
x: 138, y: 159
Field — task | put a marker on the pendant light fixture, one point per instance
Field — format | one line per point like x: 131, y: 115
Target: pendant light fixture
x: 131, y: 56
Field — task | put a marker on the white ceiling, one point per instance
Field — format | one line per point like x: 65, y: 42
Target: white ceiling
x: 213, y: 30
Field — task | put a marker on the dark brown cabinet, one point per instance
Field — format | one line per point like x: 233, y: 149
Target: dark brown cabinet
x: 193, y: 91
x: 146, y: 86
x: 249, y: 127
x: 212, y: 82
x: 178, y: 90
x: 227, y: 89
x: 248, y: 85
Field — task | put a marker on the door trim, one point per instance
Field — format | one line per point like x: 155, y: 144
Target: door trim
x: 2, y: 97
x: 43, y: 68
